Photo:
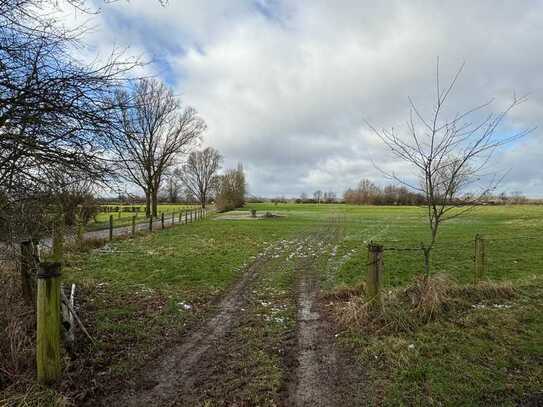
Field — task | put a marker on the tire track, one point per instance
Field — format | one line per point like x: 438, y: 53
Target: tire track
x: 313, y: 383
x: 172, y: 374
x: 325, y: 374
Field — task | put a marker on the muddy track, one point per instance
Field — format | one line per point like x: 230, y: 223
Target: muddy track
x: 213, y: 364
x: 316, y: 356
x: 326, y: 375
x: 172, y: 374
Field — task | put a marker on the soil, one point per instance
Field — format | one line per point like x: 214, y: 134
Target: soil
x: 213, y: 366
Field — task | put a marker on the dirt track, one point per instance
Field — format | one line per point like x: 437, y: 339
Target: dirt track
x: 213, y: 365
x: 172, y: 374
x: 315, y: 351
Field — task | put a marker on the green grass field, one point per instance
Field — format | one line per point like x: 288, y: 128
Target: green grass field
x: 148, y: 289
x: 512, y: 233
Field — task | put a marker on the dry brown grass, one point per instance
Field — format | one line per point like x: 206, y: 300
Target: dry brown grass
x: 429, y: 296
x: 423, y: 301
x: 17, y: 322
x: 17, y: 350
x: 345, y: 292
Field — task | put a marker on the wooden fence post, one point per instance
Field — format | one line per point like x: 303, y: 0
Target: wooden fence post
x: 57, y: 252
x: 191, y: 216
x: 162, y: 219
x: 133, y: 225
x: 480, y: 257
x: 151, y: 223
x: 48, y: 323
x: 375, y: 275
x: 110, y: 228
x: 186, y: 217
x: 180, y: 217
x: 173, y: 218
x: 27, y: 268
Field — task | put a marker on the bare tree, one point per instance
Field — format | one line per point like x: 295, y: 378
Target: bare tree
x: 449, y: 155
x: 152, y: 133
x: 317, y: 196
x: 199, y: 173
x: 231, y: 189
x: 173, y: 186
x: 53, y: 111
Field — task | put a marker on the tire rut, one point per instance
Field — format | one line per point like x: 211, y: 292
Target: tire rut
x: 172, y: 374
x: 325, y: 374
x: 316, y: 356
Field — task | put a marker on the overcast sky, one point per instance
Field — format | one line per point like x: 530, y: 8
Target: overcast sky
x: 286, y: 87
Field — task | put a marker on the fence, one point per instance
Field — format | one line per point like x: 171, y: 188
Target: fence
x: 46, y: 292
x: 132, y: 228
x: 465, y: 261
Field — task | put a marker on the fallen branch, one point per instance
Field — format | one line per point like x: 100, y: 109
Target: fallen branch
x: 70, y: 308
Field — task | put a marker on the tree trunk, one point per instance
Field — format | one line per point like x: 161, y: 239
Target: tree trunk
x: 427, y: 251
x: 154, y: 201
x: 147, y: 204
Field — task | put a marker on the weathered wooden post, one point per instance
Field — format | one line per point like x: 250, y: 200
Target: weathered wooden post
x: 151, y: 223
x: 162, y: 220
x: 186, y: 217
x: 48, y: 323
x: 375, y: 275
x: 173, y: 218
x: 110, y: 228
x: 133, y: 225
x: 191, y: 216
x: 480, y: 257
x: 57, y: 252
x: 180, y: 217
x: 27, y: 269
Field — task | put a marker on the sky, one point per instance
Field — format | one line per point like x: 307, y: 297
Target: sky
x: 288, y: 88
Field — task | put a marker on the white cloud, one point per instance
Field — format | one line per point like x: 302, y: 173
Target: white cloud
x: 287, y: 91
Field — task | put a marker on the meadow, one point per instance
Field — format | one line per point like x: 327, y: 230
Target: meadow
x: 143, y: 294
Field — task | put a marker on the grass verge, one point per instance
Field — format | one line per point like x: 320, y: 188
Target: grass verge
x: 459, y: 345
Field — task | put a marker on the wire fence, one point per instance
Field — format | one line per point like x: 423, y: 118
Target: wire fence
x: 124, y: 218
x: 496, y: 259
x: 9, y: 253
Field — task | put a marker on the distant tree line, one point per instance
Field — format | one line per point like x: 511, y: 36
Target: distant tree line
x: 369, y: 193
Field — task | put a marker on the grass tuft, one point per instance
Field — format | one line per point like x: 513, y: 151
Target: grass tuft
x: 406, y: 309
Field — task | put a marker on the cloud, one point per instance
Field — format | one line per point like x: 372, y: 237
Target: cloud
x: 286, y: 87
